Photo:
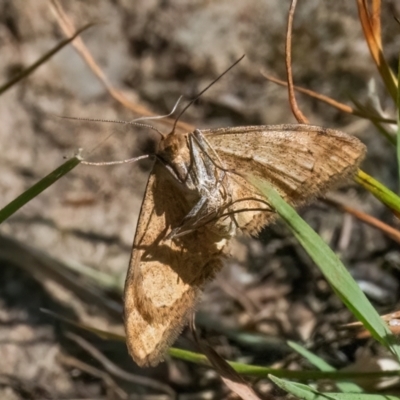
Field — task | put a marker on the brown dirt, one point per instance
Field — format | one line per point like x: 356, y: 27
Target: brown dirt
x: 155, y: 51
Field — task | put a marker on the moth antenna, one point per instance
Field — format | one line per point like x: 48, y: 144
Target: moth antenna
x: 133, y: 122
x: 116, y: 121
x: 160, y: 116
x: 127, y: 161
x: 204, y: 90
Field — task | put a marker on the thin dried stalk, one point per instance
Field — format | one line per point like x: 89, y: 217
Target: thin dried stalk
x: 301, y: 118
x: 328, y: 100
x: 67, y: 26
x: 368, y: 219
x: 371, y: 28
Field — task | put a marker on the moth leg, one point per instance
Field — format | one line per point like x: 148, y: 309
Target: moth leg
x: 190, y: 221
x: 208, y: 181
x: 210, y: 153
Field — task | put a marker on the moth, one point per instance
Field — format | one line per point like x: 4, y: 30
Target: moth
x: 197, y: 199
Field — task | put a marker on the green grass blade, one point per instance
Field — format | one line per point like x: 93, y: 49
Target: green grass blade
x: 297, y: 389
x: 263, y: 372
x: 398, y: 122
x: 381, y: 192
x: 334, y: 271
x: 27, y: 71
x: 37, y: 188
x: 346, y: 387
x: 307, y: 393
x: 245, y: 369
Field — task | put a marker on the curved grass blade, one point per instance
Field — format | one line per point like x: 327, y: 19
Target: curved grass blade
x: 38, y: 188
x: 26, y: 72
x: 307, y: 393
x: 381, y: 192
x: 332, y: 268
x: 263, y: 372
x: 346, y: 387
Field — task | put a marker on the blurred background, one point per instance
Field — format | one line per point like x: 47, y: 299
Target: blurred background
x: 68, y: 249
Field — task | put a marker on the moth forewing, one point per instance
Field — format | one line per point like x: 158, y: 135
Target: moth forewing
x: 165, y: 276
x: 196, y: 199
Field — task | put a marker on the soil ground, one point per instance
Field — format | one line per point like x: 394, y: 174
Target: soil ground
x: 155, y: 51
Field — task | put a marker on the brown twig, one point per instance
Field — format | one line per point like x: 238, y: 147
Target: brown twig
x: 340, y: 106
x: 371, y: 28
x: 117, y: 371
x: 368, y: 219
x: 44, y: 267
x: 232, y: 379
x: 68, y: 28
x: 328, y: 100
x: 29, y: 70
x: 392, y: 320
x: 376, y: 21
x: 73, y: 362
x: 288, y: 52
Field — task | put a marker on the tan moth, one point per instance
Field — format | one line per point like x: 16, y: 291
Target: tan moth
x: 196, y: 199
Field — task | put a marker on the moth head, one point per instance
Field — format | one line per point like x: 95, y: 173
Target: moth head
x: 172, y: 147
